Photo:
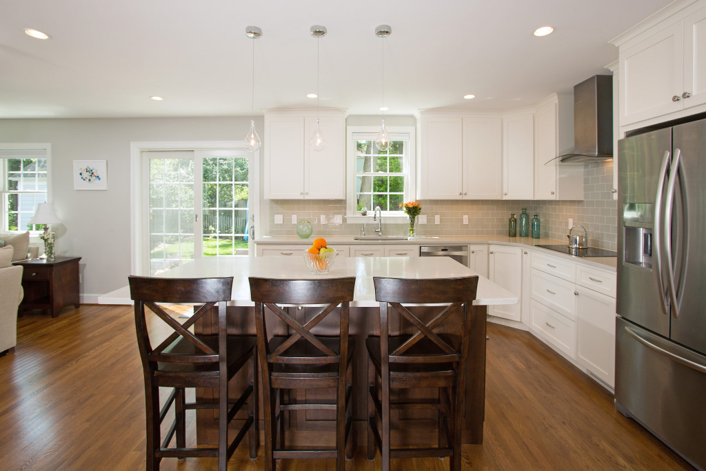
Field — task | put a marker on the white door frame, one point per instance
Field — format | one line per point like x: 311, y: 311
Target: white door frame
x: 137, y: 191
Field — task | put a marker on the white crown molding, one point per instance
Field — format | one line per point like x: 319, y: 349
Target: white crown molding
x: 650, y: 22
x: 306, y: 112
x: 613, y: 66
x: 450, y: 112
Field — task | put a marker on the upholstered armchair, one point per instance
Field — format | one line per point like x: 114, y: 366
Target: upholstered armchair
x: 11, y: 295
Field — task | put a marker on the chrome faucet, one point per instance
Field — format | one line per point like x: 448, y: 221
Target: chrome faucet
x: 377, y: 216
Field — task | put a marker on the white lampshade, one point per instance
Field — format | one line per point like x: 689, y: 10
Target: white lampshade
x: 44, y: 215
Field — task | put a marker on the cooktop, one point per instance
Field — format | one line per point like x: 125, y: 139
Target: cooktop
x: 589, y: 252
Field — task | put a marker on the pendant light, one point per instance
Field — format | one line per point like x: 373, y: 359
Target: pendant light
x: 317, y: 142
x: 252, y: 140
x: 382, y: 141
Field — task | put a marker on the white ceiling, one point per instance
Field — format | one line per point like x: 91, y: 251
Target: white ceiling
x: 106, y: 59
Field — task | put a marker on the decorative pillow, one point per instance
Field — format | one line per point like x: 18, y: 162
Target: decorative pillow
x: 20, y: 242
x: 2, y: 243
x: 6, y: 256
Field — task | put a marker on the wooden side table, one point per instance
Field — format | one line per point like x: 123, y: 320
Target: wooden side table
x: 50, y: 285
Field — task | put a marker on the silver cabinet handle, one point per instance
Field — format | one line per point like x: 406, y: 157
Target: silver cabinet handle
x: 551, y: 292
x: 460, y: 193
x: 505, y: 194
x: 664, y: 352
x: 576, y: 293
x: 526, y: 252
x: 491, y: 253
x: 593, y: 279
x: 552, y: 192
x: 400, y: 253
x: 286, y: 253
x: 551, y: 266
x: 675, y: 98
x: 307, y: 193
x: 473, y: 251
x: 301, y: 193
x: 549, y: 325
x: 465, y: 193
x: 657, y: 232
x: 367, y: 254
x: 676, y: 305
x: 614, y: 190
x: 686, y: 95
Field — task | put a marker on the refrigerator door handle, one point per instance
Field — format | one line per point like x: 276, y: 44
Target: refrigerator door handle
x: 669, y: 205
x: 691, y: 364
x: 657, y: 246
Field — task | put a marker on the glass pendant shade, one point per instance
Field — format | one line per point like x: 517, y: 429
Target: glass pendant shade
x: 317, y: 142
x: 382, y: 141
x: 252, y: 140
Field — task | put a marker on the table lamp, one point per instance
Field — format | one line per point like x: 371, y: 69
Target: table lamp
x: 45, y: 215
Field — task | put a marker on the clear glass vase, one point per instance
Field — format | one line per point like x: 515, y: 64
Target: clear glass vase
x: 412, y: 227
x: 49, y: 249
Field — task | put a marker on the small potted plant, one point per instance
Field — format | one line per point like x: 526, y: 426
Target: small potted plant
x: 412, y: 209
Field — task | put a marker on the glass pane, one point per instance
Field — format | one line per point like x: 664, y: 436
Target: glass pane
x: 28, y: 182
x: 171, y: 221
x: 380, y: 164
x: 171, y: 196
x: 156, y: 170
x: 14, y: 165
x: 29, y: 165
x: 13, y: 181
x: 225, y: 195
x: 171, y: 170
x: 186, y: 170
x: 157, y: 247
x: 12, y: 222
x: 396, y: 164
x: 225, y: 170
x: 397, y: 147
x: 186, y: 196
x: 186, y: 245
x: 240, y: 170
x: 240, y: 221
x: 210, y: 171
x: 380, y: 184
x: 171, y: 247
x: 156, y: 221
x: 241, y: 196
x: 241, y: 245
x: 225, y: 221
x: 187, y: 221
x: 156, y: 267
x: 156, y: 195
x: 209, y: 195
x: 12, y: 202
x: 396, y: 184
x: 364, y: 184
x: 42, y: 181
x: 380, y: 200
x: 364, y: 200
x: 396, y: 202
x: 210, y: 246
x: 364, y: 147
x: 225, y: 246
x: 210, y: 221
x: 42, y: 165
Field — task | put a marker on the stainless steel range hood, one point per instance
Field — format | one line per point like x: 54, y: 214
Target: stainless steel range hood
x: 593, y: 122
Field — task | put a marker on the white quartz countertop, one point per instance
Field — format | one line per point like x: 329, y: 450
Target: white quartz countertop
x: 602, y: 263
x: 363, y: 268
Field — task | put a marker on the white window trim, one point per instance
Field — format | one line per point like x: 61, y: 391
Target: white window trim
x: 46, y: 147
x: 406, y: 133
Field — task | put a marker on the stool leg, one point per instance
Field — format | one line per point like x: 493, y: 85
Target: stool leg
x: 385, y: 452
x: 350, y: 443
x: 371, y: 410
x: 341, y: 422
x: 270, y: 426
x: 152, y: 426
x: 223, y: 425
x: 254, y: 432
x: 279, y: 419
x: 180, y: 412
x: 455, y: 428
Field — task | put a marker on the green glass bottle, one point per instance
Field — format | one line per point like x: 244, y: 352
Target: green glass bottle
x: 524, y: 223
x: 536, y: 233
x: 512, y: 228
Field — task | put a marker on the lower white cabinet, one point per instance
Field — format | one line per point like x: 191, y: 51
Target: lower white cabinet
x: 479, y: 259
x: 505, y: 269
x: 553, y: 328
x: 596, y: 333
x: 294, y: 250
x: 367, y: 250
x: 402, y: 251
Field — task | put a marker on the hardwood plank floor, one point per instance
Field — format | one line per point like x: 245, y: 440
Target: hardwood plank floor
x: 71, y: 398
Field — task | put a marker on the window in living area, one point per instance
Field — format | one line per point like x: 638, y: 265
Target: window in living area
x: 23, y: 185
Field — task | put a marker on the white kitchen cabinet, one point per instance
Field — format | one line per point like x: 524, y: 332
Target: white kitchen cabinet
x: 505, y: 269
x: 553, y: 328
x: 292, y: 170
x: 518, y: 157
x: 294, y: 250
x: 367, y: 250
x: 479, y: 259
x: 401, y: 251
x: 482, y: 158
x: 526, y: 286
x: 695, y: 59
x: 441, y: 158
x: 596, y: 333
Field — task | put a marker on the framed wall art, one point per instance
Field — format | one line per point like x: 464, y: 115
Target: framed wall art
x: 90, y: 175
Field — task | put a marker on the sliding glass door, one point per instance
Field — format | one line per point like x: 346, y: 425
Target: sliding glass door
x: 197, y: 205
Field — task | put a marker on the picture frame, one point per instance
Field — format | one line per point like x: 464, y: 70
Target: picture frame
x: 90, y: 175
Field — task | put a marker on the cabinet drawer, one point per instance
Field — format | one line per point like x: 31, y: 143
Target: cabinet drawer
x: 280, y: 251
x: 597, y: 280
x: 553, y: 328
x: 554, y: 266
x: 554, y: 293
x: 31, y: 273
x: 368, y: 251
x: 402, y: 251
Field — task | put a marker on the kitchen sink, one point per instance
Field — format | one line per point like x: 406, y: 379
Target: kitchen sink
x: 380, y: 238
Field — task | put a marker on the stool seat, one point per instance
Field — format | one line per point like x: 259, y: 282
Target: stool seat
x: 425, y: 347
x: 304, y: 349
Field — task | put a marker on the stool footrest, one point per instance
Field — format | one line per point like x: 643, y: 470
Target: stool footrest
x: 186, y: 453
x: 286, y: 454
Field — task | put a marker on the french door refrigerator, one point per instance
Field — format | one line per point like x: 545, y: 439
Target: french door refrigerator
x: 660, y: 378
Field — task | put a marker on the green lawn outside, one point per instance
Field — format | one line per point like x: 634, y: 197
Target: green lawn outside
x: 210, y: 248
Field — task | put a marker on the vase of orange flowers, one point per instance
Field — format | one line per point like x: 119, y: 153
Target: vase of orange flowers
x: 412, y: 209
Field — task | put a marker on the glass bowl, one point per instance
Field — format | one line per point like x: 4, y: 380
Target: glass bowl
x: 320, y: 264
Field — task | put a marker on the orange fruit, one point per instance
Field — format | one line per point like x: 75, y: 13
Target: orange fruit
x: 313, y: 250
x: 320, y: 242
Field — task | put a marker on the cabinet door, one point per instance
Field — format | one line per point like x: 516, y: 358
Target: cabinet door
x: 518, y: 157
x: 505, y: 269
x: 479, y: 259
x: 545, y: 149
x: 442, y: 156
x: 482, y: 158
x: 367, y: 251
x: 596, y: 333
x: 325, y: 171
x: 284, y: 157
x: 652, y: 76
x: 402, y: 251
x: 526, y: 286
x: 695, y: 58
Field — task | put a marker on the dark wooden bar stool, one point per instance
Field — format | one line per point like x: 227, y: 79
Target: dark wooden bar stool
x: 422, y: 360
x: 185, y: 360
x: 304, y: 360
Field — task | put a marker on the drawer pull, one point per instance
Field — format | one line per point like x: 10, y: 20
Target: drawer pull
x: 593, y: 279
x: 367, y: 254
x: 551, y: 266
x: 550, y: 326
x: 551, y: 292
x: 34, y: 274
x: 400, y: 253
x: 286, y: 253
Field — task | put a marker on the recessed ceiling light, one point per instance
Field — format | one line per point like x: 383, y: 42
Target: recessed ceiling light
x: 469, y: 97
x: 157, y: 98
x: 312, y: 95
x: 543, y: 31
x: 384, y: 108
x: 36, y: 34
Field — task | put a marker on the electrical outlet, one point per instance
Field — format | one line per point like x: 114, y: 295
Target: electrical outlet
x: 279, y: 219
x: 437, y: 219
x: 465, y: 218
x: 422, y: 219
x: 294, y: 218
x: 323, y: 219
x: 571, y: 223
x: 338, y: 219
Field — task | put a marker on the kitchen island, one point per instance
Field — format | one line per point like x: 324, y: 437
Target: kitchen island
x: 311, y: 428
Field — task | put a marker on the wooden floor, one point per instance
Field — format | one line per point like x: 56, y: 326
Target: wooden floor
x: 71, y: 398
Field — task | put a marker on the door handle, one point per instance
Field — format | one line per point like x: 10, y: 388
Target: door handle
x: 286, y: 253
x: 686, y: 95
x: 367, y: 254
x: 551, y: 266
x: 593, y: 279
x: 676, y: 98
x: 551, y: 292
x: 549, y: 325
x: 668, y: 231
x: 657, y: 246
x: 663, y: 352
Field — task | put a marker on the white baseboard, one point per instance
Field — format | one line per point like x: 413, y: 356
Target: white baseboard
x: 89, y: 298
x: 507, y: 322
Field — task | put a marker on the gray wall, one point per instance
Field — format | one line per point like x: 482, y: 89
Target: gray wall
x: 96, y: 224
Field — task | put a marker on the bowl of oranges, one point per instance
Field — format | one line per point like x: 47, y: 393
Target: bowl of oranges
x: 319, y: 257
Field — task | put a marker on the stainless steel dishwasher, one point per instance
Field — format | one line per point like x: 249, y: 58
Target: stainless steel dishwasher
x: 457, y: 252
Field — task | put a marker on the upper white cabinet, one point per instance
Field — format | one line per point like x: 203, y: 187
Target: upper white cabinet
x: 505, y: 269
x: 441, y: 174
x: 482, y: 158
x: 518, y: 157
x: 695, y: 58
x: 292, y: 170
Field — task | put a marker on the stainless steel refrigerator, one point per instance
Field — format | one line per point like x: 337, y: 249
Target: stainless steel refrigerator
x: 660, y: 378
